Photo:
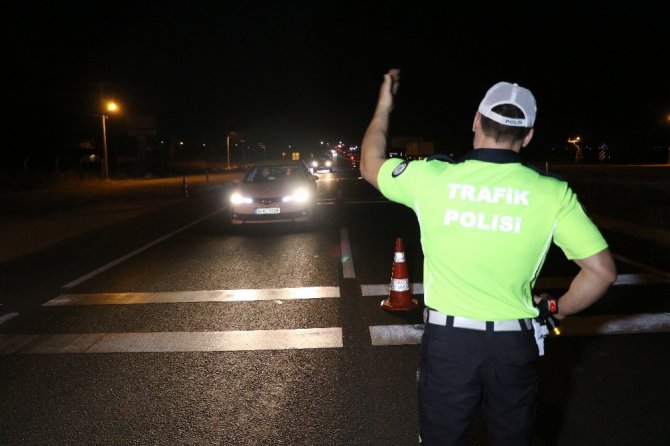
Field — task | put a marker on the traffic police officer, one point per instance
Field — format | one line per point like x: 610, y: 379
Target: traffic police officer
x: 487, y: 223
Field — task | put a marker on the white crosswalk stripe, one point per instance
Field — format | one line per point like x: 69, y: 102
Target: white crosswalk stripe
x: 302, y: 338
x: 195, y: 296
x: 173, y: 341
x: 543, y: 282
x: 384, y: 335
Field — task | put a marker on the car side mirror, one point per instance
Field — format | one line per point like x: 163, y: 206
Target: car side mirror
x: 315, y: 177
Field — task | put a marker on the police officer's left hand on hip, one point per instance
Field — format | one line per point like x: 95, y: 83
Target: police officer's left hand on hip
x: 548, y: 307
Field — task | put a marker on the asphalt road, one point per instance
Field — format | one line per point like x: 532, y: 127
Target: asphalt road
x: 596, y: 389
x: 77, y: 207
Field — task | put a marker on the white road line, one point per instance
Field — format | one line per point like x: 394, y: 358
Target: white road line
x: 195, y: 296
x: 134, y: 253
x: 542, y: 282
x: 622, y: 279
x: 640, y: 279
x: 651, y: 269
x: 615, y: 324
x: 383, y: 289
x: 348, y: 271
x: 210, y: 341
x: 384, y: 335
x: 5, y: 317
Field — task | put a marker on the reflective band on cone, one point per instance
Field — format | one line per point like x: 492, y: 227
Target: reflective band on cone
x: 400, y: 295
x: 400, y: 284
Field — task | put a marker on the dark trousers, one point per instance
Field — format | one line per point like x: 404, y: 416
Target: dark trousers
x: 462, y: 369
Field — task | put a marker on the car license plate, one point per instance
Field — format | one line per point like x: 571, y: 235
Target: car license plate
x: 263, y: 211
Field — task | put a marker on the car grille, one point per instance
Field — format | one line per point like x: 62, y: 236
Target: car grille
x: 267, y: 200
x: 285, y: 216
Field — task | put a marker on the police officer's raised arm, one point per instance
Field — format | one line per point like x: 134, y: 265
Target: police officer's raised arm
x: 373, y: 148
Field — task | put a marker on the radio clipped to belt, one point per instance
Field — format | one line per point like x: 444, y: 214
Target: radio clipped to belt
x: 545, y: 323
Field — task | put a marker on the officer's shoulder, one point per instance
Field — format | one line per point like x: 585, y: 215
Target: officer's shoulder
x: 544, y: 173
x: 416, y: 163
x: 441, y: 157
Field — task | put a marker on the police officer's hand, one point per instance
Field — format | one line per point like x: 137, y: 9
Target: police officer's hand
x: 388, y: 90
x: 547, y: 305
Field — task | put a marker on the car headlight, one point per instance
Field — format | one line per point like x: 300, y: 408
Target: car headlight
x: 329, y: 163
x: 300, y: 196
x: 237, y: 198
x: 315, y: 163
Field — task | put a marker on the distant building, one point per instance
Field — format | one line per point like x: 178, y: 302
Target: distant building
x: 412, y: 147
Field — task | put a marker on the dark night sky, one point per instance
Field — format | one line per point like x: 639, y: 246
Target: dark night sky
x: 295, y: 72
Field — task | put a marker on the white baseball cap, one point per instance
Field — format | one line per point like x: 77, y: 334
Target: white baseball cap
x: 508, y: 93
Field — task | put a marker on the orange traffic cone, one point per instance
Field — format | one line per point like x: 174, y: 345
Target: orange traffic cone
x: 400, y: 296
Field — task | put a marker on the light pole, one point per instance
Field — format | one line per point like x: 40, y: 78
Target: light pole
x: 105, y: 170
x: 578, y: 149
x: 228, y: 151
x: 238, y: 137
x: 110, y: 107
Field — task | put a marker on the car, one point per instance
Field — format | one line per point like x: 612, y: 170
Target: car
x: 274, y: 191
x: 322, y: 162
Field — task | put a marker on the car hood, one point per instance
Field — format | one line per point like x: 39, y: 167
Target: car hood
x: 272, y: 189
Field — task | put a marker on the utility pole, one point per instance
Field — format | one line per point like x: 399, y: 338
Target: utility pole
x: 228, y: 150
x: 227, y: 144
x: 104, y: 171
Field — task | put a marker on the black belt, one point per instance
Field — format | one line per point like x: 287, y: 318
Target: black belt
x: 437, y: 318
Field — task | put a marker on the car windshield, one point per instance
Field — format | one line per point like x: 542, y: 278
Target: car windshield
x: 266, y: 174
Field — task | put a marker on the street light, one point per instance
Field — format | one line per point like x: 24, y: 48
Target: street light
x: 109, y: 107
